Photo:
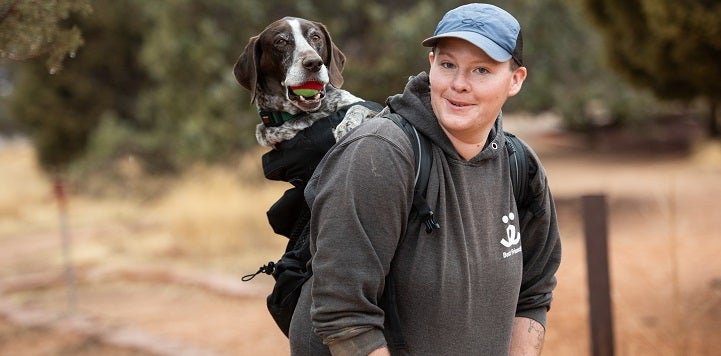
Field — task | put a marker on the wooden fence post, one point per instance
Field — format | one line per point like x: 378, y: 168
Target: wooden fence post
x: 599, y: 289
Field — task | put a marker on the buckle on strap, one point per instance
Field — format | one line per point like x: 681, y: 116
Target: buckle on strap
x: 274, y: 118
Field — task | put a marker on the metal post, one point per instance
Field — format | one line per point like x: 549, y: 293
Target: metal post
x: 69, y: 271
x: 599, y: 288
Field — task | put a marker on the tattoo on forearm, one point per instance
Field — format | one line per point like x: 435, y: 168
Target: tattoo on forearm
x: 537, y: 328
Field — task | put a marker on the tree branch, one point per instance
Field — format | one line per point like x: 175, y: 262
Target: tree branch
x: 22, y: 57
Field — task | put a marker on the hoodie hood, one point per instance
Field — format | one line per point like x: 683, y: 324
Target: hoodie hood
x: 414, y: 104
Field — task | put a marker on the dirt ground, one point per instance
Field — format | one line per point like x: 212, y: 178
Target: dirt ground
x: 664, y: 252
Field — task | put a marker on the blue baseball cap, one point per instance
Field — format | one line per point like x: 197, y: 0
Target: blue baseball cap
x: 488, y: 27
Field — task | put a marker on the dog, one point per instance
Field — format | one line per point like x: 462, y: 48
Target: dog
x: 288, y: 54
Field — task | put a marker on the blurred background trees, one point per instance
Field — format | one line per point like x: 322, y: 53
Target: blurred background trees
x: 60, y: 109
x: 669, y: 47
x: 153, y: 80
x: 38, y: 31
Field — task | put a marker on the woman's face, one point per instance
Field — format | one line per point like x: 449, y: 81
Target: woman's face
x: 468, y: 88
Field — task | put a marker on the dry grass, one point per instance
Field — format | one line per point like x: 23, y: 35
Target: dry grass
x: 212, y: 215
x: 707, y: 153
x: 25, y: 196
x: 211, y: 211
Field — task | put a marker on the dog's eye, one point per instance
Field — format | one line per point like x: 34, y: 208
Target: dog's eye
x: 315, y: 38
x: 281, y: 42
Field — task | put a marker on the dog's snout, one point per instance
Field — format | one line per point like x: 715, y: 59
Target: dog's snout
x: 312, y: 64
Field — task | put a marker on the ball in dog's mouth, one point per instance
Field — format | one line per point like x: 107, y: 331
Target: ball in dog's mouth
x: 307, y: 90
x: 307, y: 95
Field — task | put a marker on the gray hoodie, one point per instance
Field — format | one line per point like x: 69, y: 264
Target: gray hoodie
x: 458, y: 288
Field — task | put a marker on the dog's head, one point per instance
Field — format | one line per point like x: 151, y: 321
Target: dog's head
x: 290, y: 53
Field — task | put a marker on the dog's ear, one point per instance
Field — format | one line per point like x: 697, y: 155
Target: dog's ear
x: 246, y: 67
x: 335, y: 59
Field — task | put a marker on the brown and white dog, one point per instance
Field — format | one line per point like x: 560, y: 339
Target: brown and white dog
x: 290, y: 53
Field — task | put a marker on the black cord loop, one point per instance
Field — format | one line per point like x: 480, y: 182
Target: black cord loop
x: 267, y: 269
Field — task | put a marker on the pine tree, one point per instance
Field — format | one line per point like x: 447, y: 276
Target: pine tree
x: 59, y: 112
x: 30, y: 29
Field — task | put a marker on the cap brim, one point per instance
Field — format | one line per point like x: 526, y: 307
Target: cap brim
x: 491, y: 48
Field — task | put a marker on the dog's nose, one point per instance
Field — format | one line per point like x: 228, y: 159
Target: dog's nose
x: 312, y: 64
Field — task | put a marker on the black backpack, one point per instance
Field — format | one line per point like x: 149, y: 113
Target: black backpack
x: 290, y: 270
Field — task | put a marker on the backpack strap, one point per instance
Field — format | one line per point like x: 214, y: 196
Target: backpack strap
x: 423, y: 159
x: 518, y: 161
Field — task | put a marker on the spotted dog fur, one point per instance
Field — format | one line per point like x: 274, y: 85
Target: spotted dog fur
x: 290, y: 52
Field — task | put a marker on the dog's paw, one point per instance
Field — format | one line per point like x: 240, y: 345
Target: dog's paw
x: 266, y: 137
x: 355, y: 116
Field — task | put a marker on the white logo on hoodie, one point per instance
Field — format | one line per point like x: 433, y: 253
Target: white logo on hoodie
x: 513, y: 237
